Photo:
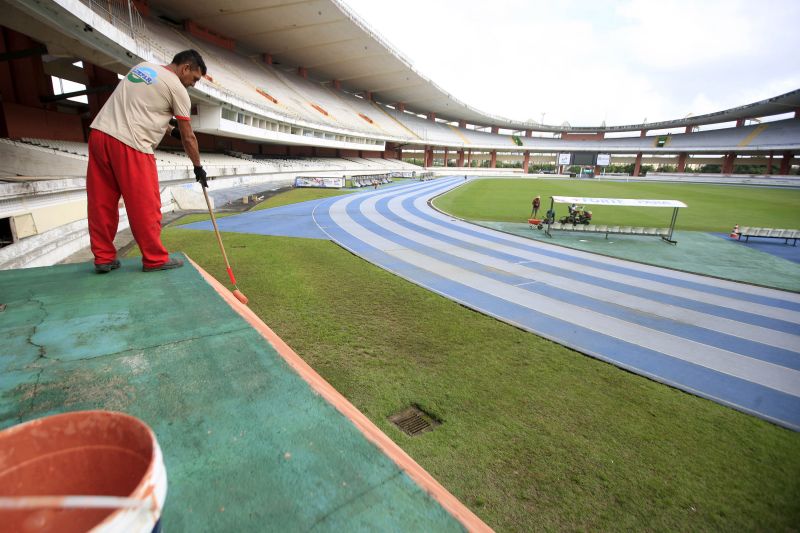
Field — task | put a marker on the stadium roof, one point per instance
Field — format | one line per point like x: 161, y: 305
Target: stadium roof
x: 334, y: 43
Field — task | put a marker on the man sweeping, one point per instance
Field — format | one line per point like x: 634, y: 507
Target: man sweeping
x: 535, y: 205
x: 121, y: 162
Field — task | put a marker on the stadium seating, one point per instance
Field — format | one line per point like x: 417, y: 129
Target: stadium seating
x: 284, y: 93
x: 65, y: 158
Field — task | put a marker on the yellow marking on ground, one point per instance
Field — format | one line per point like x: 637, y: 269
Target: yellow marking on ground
x: 753, y: 134
x: 466, y: 141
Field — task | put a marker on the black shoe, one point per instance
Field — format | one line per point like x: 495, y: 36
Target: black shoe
x: 105, y: 268
x: 169, y: 265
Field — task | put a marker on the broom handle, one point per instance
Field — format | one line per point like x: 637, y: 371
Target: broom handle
x: 219, y: 238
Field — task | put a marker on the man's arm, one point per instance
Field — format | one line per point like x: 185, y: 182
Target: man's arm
x: 187, y: 137
x: 189, y: 142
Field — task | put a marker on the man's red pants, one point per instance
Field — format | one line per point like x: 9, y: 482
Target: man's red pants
x: 117, y: 169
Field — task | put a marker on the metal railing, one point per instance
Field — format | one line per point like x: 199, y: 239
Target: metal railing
x: 123, y: 15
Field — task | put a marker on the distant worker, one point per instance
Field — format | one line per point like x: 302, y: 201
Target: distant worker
x: 121, y: 162
x: 536, y: 204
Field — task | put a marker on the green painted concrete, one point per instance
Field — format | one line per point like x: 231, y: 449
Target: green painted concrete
x: 696, y: 251
x: 247, y: 444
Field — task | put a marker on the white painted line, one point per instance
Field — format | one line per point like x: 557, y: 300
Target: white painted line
x: 764, y: 373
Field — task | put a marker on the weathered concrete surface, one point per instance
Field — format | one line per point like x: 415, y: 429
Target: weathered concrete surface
x: 248, y: 445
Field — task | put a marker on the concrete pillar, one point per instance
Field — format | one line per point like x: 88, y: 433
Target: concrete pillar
x: 688, y: 129
x: 432, y: 116
x: 740, y: 122
x: 399, y: 153
x: 302, y: 72
x: 643, y: 133
x: 727, y: 163
x: 445, y: 157
x: 797, y: 113
x: 525, y: 162
x: 495, y: 130
x: 682, y: 161
x: 528, y: 133
x: 460, y: 160
x: 469, y: 158
x: 266, y: 58
x: 769, y: 165
x: 368, y: 95
x: 429, y: 156
x: 336, y: 84
x: 493, y: 162
x: 462, y: 124
x: 786, y: 164
x: 400, y: 106
x: 638, y: 166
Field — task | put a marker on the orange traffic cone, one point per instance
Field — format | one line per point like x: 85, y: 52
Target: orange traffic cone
x: 735, y: 232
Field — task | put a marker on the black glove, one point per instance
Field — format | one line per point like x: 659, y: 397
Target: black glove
x: 175, y: 132
x: 200, y: 176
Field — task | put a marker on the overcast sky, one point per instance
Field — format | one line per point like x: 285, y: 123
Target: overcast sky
x: 588, y: 61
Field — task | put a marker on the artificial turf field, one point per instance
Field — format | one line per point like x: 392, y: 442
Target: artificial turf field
x: 534, y: 436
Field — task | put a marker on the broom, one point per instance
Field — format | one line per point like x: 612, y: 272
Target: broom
x: 236, y: 292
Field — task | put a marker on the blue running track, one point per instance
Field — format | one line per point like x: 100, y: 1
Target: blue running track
x: 730, y: 342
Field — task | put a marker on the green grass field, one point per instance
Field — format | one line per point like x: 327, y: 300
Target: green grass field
x: 710, y: 207
x: 534, y: 436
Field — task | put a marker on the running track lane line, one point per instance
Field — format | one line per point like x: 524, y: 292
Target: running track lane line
x: 769, y: 390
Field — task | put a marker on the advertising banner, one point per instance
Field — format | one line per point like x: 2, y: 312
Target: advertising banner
x: 326, y: 183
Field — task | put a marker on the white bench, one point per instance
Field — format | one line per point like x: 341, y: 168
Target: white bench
x: 617, y: 230
x: 770, y: 233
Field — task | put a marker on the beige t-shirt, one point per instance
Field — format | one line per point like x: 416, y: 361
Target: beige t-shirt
x: 142, y: 105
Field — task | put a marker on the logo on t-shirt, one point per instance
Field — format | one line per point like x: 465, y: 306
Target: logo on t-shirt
x: 142, y: 74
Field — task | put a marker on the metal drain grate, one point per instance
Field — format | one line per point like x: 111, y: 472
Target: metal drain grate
x: 413, y: 421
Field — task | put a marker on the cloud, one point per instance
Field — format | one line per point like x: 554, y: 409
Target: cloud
x: 678, y: 34
x: 587, y: 61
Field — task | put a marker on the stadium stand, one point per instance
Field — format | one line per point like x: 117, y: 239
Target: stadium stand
x: 267, y: 87
x: 286, y: 94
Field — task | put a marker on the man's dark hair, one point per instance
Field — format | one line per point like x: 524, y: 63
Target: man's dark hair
x: 191, y: 58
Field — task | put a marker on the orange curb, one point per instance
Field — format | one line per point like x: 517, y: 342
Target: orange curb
x: 427, y: 482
